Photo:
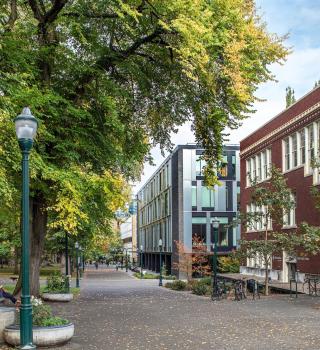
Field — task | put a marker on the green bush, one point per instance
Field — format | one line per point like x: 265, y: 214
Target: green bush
x: 178, y: 285
x: 169, y: 277
x: 56, y: 283
x: 54, y: 321
x: 205, y: 281
x: 200, y: 288
x: 168, y: 285
x: 229, y: 264
x: 42, y: 315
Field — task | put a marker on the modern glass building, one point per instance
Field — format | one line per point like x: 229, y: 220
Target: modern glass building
x: 175, y: 205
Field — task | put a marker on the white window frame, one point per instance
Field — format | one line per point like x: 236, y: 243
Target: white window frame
x: 258, y: 166
x: 289, y: 219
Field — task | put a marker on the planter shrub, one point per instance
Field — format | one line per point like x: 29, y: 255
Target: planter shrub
x: 42, y: 315
x: 56, y: 283
x: 200, y: 288
x: 176, y: 285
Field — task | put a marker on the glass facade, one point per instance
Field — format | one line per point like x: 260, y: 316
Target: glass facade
x: 175, y: 204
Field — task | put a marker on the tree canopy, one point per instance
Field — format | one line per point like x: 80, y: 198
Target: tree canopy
x: 109, y: 79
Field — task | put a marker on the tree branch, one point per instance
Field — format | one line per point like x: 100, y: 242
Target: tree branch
x: 139, y: 42
x: 91, y: 15
x: 13, y: 14
x: 52, y: 14
x: 36, y: 10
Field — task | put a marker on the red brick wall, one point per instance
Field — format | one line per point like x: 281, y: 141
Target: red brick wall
x: 305, y: 210
x: 306, y: 102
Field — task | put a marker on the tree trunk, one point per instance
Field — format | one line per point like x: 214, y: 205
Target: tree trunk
x: 16, y: 261
x: 38, y: 226
x: 267, y: 280
x: 37, y: 237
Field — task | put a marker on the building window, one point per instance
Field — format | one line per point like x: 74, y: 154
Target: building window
x: 194, y: 196
x: 264, y: 160
x: 311, y: 143
x: 258, y: 158
x: 260, y: 223
x: 248, y: 172
x: 258, y: 167
x: 286, y: 154
x: 207, y: 197
x: 302, y: 146
x: 223, y: 167
x: 238, y: 198
x: 233, y: 165
x: 294, y: 150
x: 199, y: 228
x: 200, y: 164
x: 222, y: 232
x: 289, y: 218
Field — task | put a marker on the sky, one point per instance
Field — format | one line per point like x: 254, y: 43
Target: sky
x: 299, y: 19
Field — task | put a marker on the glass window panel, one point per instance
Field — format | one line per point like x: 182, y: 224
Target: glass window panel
x: 302, y: 147
x: 286, y: 154
x: 199, y: 220
x: 207, y: 197
x: 311, y: 143
x: 194, y: 196
x: 294, y: 150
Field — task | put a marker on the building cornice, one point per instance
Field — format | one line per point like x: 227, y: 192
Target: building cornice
x: 267, y: 138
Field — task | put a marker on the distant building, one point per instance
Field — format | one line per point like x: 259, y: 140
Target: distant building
x: 174, y: 205
x: 128, y: 233
x: 289, y: 141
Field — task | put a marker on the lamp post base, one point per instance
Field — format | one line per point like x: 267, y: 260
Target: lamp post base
x: 27, y: 347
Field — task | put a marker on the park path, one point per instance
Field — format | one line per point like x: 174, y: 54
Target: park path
x: 117, y: 312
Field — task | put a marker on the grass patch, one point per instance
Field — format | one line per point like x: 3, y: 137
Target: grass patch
x: 44, y: 272
x: 10, y: 288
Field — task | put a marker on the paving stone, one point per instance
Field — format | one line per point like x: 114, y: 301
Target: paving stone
x: 117, y: 312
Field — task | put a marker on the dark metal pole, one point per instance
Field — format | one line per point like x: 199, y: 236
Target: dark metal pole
x: 77, y: 266
x: 83, y: 263
x: 26, y: 307
x: 215, y: 293
x: 67, y: 262
x: 160, y: 277
x: 126, y: 260
x: 141, y: 263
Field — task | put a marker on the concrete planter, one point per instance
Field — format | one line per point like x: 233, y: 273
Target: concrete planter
x: 57, y: 296
x: 7, y: 316
x: 42, y: 336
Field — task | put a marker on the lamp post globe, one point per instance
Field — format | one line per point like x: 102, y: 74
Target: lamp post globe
x: 215, y: 293
x: 26, y: 126
x: 160, y: 256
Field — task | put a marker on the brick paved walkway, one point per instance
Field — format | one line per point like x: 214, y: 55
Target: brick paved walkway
x: 118, y: 312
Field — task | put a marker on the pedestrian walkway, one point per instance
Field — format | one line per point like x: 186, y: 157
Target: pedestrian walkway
x: 115, y: 311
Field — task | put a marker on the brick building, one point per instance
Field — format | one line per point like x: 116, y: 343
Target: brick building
x: 289, y: 141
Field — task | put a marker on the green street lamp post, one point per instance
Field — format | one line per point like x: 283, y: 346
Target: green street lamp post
x: 215, y: 292
x: 160, y: 256
x: 79, y: 261
x: 83, y: 261
x: 26, y: 127
x: 141, y: 257
x: 67, y: 262
x: 126, y: 259
x: 77, y: 264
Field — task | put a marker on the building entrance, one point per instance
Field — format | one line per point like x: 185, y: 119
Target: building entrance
x: 292, y: 269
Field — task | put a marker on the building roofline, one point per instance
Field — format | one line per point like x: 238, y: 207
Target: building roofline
x: 278, y: 115
x: 187, y: 146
